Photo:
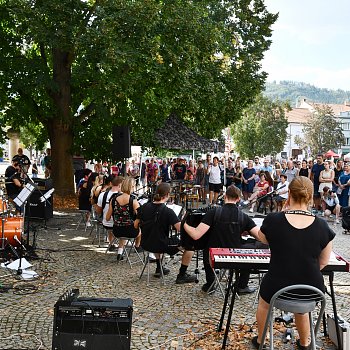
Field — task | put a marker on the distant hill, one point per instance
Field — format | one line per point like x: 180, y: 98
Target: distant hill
x: 291, y: 91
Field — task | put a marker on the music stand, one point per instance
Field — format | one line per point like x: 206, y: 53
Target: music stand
x: 20, y: 201
x: 45, y: 199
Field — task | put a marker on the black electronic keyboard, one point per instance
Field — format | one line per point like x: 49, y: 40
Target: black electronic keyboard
x: 259, y: 259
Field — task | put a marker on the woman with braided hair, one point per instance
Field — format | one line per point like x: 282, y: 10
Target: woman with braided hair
x: 300, y: 246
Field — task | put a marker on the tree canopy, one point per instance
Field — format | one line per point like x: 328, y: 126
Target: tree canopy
x: 78, y: 67
x: 262, y: 128
x: 322, y: 131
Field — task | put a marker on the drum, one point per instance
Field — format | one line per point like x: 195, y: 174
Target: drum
x: 3, y: 206
x: 194, y: 218
x: 12, y: 229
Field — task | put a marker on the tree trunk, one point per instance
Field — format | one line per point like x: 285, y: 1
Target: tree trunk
x: 60, y: 126
x: 62, y: 173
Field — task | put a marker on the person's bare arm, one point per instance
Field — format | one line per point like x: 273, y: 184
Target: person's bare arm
x: 325, y: 255
x: 259, y: 235
x: 196, y: 232
x: 109, y: 212
x: 17, y: 182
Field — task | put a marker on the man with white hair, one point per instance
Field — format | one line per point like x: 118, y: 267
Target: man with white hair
x: 291, y: 171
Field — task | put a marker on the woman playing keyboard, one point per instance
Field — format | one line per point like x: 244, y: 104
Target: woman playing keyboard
x: 300, y: 245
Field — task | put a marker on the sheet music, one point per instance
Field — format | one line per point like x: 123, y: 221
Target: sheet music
x: 258, y: 221
x: 176, y: 208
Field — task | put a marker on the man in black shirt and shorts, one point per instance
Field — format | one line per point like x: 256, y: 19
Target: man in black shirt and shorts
x: 222, y: 237
x: 155, y: 220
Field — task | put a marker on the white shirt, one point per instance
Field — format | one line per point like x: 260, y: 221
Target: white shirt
x: 215, y: 174
x: 105, y: 209
x: 331, y: 201
x: 285, y: 188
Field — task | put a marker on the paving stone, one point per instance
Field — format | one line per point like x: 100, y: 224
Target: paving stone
x: 163, y: 314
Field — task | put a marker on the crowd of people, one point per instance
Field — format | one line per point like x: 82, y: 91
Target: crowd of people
x: 263, y: 185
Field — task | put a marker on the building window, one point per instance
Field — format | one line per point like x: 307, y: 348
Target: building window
x: 346, y: 126
x: 347, y: 141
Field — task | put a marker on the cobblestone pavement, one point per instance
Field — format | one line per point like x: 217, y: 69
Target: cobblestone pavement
x: 166, y: 316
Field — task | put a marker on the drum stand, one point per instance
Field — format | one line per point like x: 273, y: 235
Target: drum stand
x: 5, y: 245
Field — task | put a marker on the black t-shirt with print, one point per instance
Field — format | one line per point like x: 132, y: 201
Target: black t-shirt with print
x: 180, y: 171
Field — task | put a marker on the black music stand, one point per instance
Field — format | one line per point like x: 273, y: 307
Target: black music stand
x: 21, y: 201
x: 45, y: 199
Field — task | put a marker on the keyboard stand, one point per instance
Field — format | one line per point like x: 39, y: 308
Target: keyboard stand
x: 334, y: 306
x: 231, y: 287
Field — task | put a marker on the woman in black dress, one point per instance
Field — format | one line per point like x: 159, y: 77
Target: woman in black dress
x: 300, y: 245
x: 304, y: 170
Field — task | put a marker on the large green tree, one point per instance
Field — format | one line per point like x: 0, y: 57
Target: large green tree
x: 321, y: 132
x: 80, y: 66
x: 262, y: 128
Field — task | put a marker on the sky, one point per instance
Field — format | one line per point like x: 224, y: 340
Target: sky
x: 311, y: 43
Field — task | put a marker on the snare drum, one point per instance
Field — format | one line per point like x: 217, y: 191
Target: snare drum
x: 3, y: 206
x: 12, y: 229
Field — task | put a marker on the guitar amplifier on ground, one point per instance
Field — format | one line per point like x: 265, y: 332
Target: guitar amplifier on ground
x: 344, y: 328
x: 36, y: 209
x: 92, y: 324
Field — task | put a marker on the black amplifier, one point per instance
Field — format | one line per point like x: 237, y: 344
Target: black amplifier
x: 92, y: 324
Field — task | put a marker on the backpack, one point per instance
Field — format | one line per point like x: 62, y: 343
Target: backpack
x: 233, y: 227
x: 121, y: 218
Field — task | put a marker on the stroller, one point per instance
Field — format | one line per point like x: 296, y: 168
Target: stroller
x: 345, y: 221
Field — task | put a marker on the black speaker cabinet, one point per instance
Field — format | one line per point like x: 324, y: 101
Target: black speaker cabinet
x: 121, y: 142
x: 92, y: 324
x: 36, y: 209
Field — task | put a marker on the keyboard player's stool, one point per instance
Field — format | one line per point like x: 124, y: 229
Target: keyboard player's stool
x: 288, y: 300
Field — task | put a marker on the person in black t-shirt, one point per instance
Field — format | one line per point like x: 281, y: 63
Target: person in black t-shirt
x: 221, y: 237
x: 155, y: 220
x: 13, y: 181
x: 23, y: 160
x: 300, y: 245
x: 180, y: 169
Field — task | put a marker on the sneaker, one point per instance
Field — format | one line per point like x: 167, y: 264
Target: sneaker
x: 112, y: 248
x: 251, y: 210
x: 246, y: 290
x: 139, y: 249
x: 256, y: 344
x: 245, y: 202
x: 207, y: 287
x: 302, y: 347
x: 337, y: 221
x: 158, y: 272
x: 185, y: 278
x: 88, y: 224
x: 120, y: 257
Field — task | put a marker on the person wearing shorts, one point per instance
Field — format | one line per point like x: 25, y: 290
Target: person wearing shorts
x: 215, y: 184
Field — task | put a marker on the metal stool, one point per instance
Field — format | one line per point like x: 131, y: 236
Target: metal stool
x: 128, y: 248
x: 147, y: 264
x: 288, y: 300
